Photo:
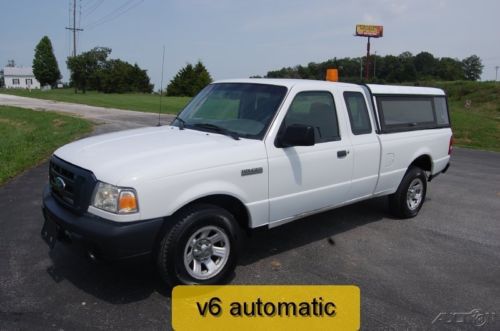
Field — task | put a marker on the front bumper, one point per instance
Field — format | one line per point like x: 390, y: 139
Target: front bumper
x: 102, y: 238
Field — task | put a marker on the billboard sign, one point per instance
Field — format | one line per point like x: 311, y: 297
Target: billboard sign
x: 374, y: 31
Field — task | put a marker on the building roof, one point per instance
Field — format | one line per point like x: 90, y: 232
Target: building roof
x: 17, y: 71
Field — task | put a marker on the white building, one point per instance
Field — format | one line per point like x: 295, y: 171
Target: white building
x: 20, y: 77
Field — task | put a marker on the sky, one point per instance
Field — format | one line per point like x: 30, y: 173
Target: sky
x: 238, y: 39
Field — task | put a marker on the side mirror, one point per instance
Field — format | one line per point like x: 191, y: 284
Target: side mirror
x: 297, y: 135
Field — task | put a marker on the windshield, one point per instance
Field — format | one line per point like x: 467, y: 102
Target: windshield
x: 241, y: 109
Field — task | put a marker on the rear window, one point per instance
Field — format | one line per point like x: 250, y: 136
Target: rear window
x: 358, y: 113
x: 403, y: 113
x: 441, y: 111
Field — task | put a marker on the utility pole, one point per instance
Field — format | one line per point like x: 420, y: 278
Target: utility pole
x: 367, y: 64
x: 361, y: 69
x: 74, y: 28
x: 496, y: 73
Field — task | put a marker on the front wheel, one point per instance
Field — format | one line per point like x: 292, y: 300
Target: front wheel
x: 201, y: 248
x: 410, y: 195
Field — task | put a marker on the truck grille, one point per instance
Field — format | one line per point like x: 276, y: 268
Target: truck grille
x: 70, y: 185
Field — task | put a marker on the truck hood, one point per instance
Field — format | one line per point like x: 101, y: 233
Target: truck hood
x: 125, y: 157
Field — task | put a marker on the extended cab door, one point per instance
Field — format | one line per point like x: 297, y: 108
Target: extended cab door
x: 303, y: 179
x: 365, y: 147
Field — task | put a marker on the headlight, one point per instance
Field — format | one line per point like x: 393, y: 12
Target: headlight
x: 118, y: 200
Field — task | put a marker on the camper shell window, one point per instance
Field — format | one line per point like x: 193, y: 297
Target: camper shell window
x: 412, y: 112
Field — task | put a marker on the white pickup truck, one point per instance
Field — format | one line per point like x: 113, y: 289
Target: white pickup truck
x: 244, y: 154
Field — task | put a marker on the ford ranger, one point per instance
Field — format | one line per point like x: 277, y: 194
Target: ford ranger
x: 244, y: 154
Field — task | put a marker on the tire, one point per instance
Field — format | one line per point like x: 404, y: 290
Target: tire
x: 200, y: 248
x: 410, y: 195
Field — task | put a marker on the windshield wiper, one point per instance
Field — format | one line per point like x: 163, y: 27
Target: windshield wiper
x: 181, y: 121
x: 217, y: 129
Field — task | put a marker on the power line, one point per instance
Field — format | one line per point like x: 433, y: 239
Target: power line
x: 93, y: 8
x: 118, y: 12
x: 129, y: 5
x: 91, y: 2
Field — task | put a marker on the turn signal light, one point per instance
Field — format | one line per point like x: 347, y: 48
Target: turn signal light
x: 127, y: 203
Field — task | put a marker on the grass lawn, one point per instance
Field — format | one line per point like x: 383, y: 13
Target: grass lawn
x: 28, y: 137
x: 131, y: 101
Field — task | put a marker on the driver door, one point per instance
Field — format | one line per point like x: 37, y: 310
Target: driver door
x: 303, y: 179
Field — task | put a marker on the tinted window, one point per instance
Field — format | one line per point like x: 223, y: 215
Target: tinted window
x: 441, y: 111
x: 358, y: 113
x: 315, y: 109
x: 406, y: 112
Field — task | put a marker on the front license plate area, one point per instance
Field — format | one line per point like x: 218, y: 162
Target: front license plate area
x: 50, y: 232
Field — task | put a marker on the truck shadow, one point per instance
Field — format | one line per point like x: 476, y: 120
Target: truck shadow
x: 264, y: 243
x: 119, y: 282
x: 137, y: 280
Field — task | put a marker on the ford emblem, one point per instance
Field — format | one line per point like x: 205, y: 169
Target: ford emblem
x: 59, y: 183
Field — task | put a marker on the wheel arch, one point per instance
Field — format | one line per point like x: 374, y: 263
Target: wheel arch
x: 232, y: 204
x: 228, y: 202
x: 423, y: 161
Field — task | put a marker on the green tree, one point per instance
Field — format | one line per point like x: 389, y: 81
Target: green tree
x: 450, y: 69
x: 408, y: 72
x: 93, y: 70
x: 179, y: 85
x: 45, y: 66
x: 284, y: 73
x: 390, y: 69
x: 85, y: 68
x: 118, y: 76
x: 472, y: 67
x: 189, y: 80
x: 425, y: 65
x: 202, y: 78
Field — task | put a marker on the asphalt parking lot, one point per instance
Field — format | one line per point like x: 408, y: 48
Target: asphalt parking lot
x: 445, y: 260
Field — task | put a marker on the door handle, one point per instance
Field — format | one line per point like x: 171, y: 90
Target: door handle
x: 342, y: 154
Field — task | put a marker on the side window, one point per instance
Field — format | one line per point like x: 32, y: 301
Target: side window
x: 316, y: 109
x: 358, y: 113
x: 401, y: 113
x: 441, y: 111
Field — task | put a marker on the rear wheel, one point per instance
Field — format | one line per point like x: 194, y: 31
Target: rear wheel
x: 410, y: 195
x: 201, y: 248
